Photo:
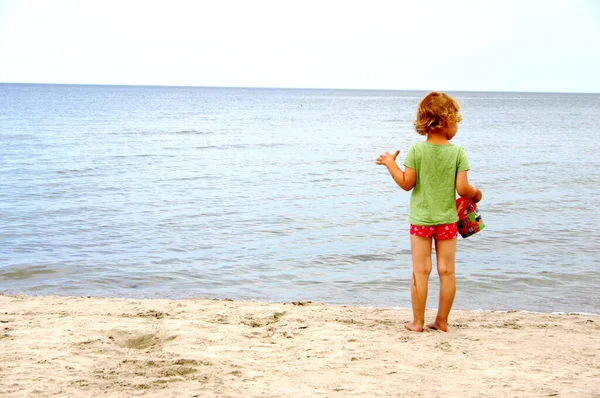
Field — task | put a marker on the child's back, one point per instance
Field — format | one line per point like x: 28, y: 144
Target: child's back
x: 433, y: 200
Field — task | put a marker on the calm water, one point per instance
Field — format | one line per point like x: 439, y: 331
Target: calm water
x: 273, y: 195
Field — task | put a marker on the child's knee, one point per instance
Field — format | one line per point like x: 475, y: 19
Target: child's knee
x: 445, y: 270
x: 422, y: 269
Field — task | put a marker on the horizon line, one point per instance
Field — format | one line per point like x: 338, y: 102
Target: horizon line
x: 292, y: 88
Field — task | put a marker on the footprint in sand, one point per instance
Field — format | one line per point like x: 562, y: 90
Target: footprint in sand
x: 262, y: 321
x: 444, y: 346
x: 157, y: 373
x: 139, y: 341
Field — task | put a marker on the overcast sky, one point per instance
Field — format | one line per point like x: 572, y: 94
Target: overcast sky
x: 525, y: 45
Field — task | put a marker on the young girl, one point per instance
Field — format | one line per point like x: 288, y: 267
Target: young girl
x: 435, y: 168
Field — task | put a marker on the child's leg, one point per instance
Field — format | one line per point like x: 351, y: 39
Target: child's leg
x: 421, y: 256
x: 446, y: 256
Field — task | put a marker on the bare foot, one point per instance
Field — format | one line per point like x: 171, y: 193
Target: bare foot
x: 438, y: 326
x: 413, y: 328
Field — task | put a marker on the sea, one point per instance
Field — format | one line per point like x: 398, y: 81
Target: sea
x: 274, y: 195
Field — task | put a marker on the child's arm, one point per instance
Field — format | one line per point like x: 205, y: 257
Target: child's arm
x: 465, y: 189
x: 405, y: 179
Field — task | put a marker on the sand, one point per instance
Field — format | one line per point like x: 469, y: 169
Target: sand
x: 90, y: 347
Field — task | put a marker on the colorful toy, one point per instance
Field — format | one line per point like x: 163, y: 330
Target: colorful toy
x: 469, y: 218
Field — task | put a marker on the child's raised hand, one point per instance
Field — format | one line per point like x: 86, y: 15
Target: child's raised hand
x: 387, y: 158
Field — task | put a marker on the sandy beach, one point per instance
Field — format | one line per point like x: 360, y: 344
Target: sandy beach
x: 78, y: 346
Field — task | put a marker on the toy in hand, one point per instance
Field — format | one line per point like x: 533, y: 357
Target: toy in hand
x: 469, y: 218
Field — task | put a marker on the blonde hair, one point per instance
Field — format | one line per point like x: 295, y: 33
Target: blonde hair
x: 434, y: 111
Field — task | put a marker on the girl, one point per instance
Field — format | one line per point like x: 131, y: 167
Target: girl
x: 435, y: 168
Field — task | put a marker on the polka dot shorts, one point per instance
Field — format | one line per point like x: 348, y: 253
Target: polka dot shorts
x: 438, y: 232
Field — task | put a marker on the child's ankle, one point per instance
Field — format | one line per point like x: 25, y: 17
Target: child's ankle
x: 414, y: 326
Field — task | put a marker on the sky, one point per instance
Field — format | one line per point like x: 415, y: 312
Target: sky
x: 524, y: 45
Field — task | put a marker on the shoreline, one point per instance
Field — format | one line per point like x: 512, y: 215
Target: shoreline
x: 65, y: 346
x: 8, y: 293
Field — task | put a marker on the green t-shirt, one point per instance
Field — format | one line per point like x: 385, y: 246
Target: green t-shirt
x: 433, y: 200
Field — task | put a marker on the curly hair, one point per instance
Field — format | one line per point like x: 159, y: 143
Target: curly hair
x: 434, y: 111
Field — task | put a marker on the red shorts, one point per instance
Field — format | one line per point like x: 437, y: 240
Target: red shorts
x: 439, y: 232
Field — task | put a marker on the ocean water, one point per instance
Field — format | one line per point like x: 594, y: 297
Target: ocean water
x: 273, y: 194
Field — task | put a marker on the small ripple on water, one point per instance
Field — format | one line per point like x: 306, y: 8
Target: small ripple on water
x: 21, y: 273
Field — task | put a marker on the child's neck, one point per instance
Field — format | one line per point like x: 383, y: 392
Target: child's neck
x: 437, y: 138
